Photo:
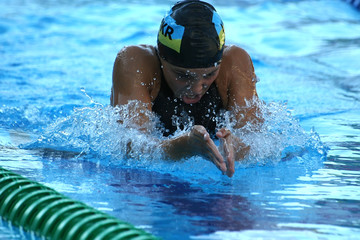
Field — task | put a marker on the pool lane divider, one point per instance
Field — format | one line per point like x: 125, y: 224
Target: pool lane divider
x: 40, y: 209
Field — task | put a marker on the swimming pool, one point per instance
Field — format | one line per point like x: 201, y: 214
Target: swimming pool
x: 301, y: 181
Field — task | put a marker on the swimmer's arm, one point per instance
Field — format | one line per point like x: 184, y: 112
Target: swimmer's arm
x: 130, y: 82
x: 241, y: 88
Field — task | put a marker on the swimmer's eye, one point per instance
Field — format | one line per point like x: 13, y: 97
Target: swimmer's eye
x: 183, y: 76
x: 209, y: 75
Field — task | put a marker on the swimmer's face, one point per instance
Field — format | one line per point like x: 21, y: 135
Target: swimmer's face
x: 189, y: 85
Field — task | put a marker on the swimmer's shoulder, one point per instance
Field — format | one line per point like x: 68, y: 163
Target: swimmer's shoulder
x: 145, y: 54
x: 138, y: 65
x: 137, y: 59
x: 236, y: 56
x: 235, y: 62
x: 236, y: 73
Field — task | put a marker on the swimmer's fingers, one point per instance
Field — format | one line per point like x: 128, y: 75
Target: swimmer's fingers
x: 227, y: 146
x: 207, y: 147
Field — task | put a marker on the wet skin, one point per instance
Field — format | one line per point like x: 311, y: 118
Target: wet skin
x: 189, y: 85
x: 138, y: 73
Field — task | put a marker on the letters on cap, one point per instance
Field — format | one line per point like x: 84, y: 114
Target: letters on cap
x: 170, y: 33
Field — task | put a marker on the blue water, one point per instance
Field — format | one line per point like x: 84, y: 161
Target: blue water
x: 301, y: 179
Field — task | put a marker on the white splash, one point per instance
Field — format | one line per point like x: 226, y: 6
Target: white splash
x: 111, y: 133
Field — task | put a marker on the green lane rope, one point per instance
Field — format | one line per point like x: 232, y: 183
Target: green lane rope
x: 35, y: 207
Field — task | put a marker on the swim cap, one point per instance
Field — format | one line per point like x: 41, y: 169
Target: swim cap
x: 191, y: 35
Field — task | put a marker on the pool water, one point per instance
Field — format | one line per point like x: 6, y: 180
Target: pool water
x: 301, y: 179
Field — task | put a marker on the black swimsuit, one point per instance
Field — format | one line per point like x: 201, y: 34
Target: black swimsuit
x: 173, y: 111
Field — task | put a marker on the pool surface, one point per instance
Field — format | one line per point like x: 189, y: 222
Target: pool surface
x: 301, y: 179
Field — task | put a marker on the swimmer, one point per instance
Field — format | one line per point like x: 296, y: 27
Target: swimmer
x: 191, y: 72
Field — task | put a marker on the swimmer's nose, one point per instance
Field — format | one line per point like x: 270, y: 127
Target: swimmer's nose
x: 197, y: 88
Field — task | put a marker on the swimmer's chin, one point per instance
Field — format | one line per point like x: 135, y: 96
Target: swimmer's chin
x: 191, y: 100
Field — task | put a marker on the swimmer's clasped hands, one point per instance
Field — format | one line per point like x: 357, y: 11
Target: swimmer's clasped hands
x: 198, y: 142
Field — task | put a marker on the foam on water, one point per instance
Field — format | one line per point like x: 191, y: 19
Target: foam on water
x: 103, y: 131
x: 279, y: 136
x: 110, y: 135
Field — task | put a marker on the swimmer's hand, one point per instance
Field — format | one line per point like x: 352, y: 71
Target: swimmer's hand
x: 200, y: 141
x: 227, y: 147
x: 195, y: 142
x: 233, y: 149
